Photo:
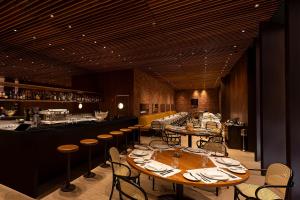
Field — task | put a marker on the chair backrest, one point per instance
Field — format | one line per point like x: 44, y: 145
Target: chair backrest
x: 114, y: 155
x: 279, y: 174
x: 130, y: 190
x: 215, y: 147
x: 211, y: 125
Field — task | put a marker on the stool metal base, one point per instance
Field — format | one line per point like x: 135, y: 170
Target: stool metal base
x: 89, y: 175
x: 105, y: 165
x: 68, y: 187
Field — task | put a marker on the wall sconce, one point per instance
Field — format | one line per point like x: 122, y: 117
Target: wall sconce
x: 80, y: 106
x: 120, y: 106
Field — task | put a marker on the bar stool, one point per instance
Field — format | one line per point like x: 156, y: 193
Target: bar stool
x: 117, y: 134
x: 89, y: 143
x: 105, y: 138
x: 134, y: 130
x: 126, y: 131
x: 68, y: 149
x: 139, y: 133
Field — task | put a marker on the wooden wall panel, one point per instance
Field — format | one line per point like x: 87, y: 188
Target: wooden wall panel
x: 293, y: 95
x: 235, y: 92
x: 273, y: 94
x: 207, y: 100
x: 149, y: 90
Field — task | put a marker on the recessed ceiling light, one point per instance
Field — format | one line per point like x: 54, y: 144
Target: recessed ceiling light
x: 73, y: 53
x: 205, y: 50
x: 83, y: 35
x: 62, y: 49
x: 34, y: 37
x: 50, y: 44
x: 20, y: 59
x: 7, y: 56
x: 119, y: 55
x: 90, y: 60
x: 32, y: 62
x: 230, y: 54
x: 205, y: 57
x: 51, y: 16
x: 69, y: 26
x: 256, y: 5
x: 15, y: 30
x: 234, y: 46
x: 130, y: 62
x: 104, y: 47
x: 95, y: 42
x: 112, y: 51
x: 82, y: 57
x: 193, y: 53
x: 243, y: 31
x: 153, y: 23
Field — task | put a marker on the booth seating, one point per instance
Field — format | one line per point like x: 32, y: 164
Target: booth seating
x: 147, y: 119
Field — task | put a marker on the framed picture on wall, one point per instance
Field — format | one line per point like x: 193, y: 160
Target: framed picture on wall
x: 168, y: 107
x: 144, y: 109
x: 194, y: 103
x: 162, y: 107
x: 154, y: 108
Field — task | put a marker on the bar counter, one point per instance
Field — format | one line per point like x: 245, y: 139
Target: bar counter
x: 30, y: 162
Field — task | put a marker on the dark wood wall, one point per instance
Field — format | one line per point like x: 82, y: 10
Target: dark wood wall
x: 293, y: 94
x: 272, y: 76
x: 207, y: 100
x: 109, y: 85
x: 234, y: 92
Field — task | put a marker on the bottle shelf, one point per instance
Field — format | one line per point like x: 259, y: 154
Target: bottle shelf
x: 42, y: 101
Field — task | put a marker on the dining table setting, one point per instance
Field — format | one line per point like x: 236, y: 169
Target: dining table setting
x: 187, y: 166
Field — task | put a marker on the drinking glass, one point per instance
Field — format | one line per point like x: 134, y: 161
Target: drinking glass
x: 175, y: 162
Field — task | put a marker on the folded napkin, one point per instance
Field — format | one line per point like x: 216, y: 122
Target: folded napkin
x: 199, y: 173
x: 147, y: 157
x: 168, y: 170
x: 220, y: 165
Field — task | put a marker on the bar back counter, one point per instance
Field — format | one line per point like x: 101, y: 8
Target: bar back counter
x: 30, y: 162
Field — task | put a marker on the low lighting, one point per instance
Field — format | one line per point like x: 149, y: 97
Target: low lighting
x: 80, y: 106
x: 120, y: 106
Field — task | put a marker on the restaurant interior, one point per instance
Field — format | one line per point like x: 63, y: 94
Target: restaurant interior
x: 145, y: 99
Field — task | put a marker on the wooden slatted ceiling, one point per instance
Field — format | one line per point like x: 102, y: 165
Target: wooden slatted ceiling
x: 187, y: 43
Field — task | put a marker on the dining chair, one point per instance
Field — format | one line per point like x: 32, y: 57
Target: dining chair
x: 130, y: 190
x: 278, y: 181
x: 171, y: 138
x: 121, y: 170
x: 215, y: 139
x: 215, y: 147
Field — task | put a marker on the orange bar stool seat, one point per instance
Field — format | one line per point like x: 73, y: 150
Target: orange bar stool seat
x: 67, y: 149
x: 89, y: 143
x: 126, y: 131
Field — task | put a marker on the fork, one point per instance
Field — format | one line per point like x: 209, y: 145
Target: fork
x: 203, y: 177
x: 166, y: 172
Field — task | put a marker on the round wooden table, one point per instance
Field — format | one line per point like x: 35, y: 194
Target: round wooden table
x: 190, y: 133
x: 186, y: 161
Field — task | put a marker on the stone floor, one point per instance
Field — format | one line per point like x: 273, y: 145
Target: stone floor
x: 100, y: 186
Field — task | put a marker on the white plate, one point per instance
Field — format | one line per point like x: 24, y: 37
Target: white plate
x: 228, y: 161
x: 214, y: 174
x: 155, y: 168
x: 140, y: 147
x: 161, y: 146
x: 188, y: 176
x: 237, y: 170
x: 139, y: 160
x: 138, y: 152
x: 195, y: 150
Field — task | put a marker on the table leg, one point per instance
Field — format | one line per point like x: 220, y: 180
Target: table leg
x: 189, y: 140
x: 179, y: 191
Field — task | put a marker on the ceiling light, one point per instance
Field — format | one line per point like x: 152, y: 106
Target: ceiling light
x: 243, y: 31
x: 95, y: 42
x: 104, y: 47
x: 69, y: 26
x: 234, y: 46
x: 51, y: 16
x: 256, y: 5
x: 73, y: 53
x: 112, y: 51
x: 62, y: 49
x: 230, y: 54
x: 20, y: 59
x: 15, y: 30
x: 119, y: 55
x: 82, y: 57
x: 50, y: 44
x: 32, y: 62
x: 34, y: 37
x: 7, y: 56
x: 83, y: 35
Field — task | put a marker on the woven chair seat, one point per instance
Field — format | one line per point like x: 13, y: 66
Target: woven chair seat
x: 249, y: 190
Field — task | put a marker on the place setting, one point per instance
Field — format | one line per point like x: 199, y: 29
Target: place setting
x: 229, y: 164
x: 160, y: 169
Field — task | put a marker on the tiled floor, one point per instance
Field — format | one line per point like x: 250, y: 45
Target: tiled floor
x: 99, y: 187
